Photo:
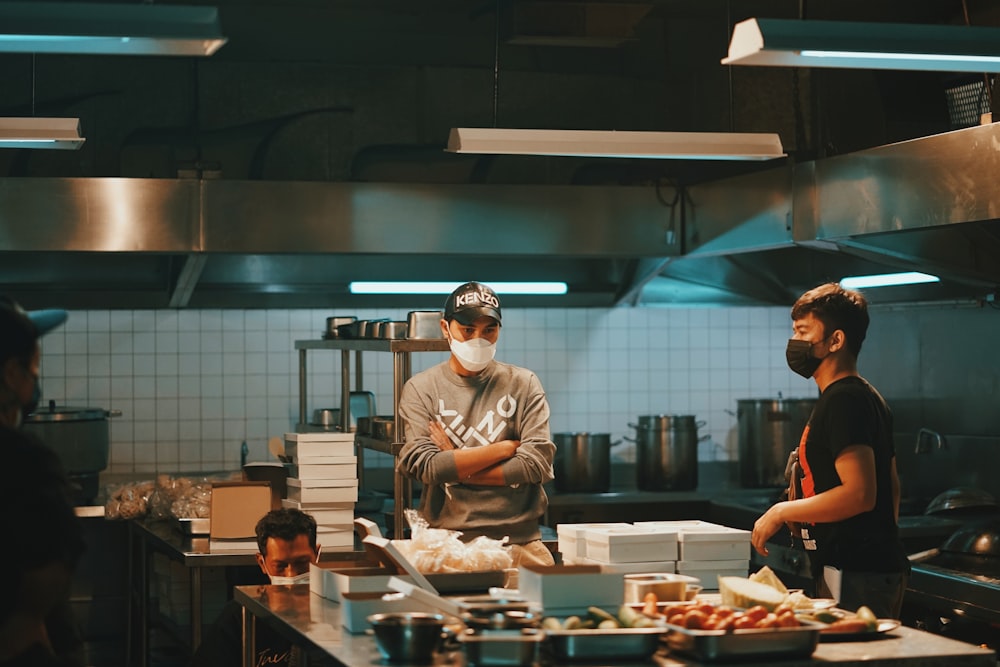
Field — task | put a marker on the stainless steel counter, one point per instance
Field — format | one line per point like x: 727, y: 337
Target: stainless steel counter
x: 313, y: 622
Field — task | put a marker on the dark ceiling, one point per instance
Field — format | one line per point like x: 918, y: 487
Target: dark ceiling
x: 354, y: 90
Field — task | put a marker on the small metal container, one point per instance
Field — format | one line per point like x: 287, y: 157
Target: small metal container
x: 333, y: 325
x: 407, y: 637
x: 393, y: 330
x: 383, y: 427
x: 750, y: 644
x: 517, y: 648
x: 423, y: 324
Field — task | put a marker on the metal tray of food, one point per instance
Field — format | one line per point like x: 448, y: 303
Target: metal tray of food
x: 598, y: 644
x: 194, y: 526
x: 757, y: 644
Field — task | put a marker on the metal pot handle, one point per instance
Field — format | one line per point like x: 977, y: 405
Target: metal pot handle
x: 625, y: 437
x: 699, y: 424
x: 631, y: 425
x: 616, y: 443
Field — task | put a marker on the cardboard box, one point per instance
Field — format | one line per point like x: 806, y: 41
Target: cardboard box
x: 570, y: 588
x: 355, y: 608
x: 573, y: 543
x: 236, y: 508
x: 631, y: 544
x: 322, y: 491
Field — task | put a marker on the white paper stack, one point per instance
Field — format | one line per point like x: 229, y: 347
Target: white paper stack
x: 323, y: 481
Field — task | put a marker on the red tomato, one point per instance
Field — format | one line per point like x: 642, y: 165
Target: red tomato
x: 743, y: 622
x: 695, y: 619
x: 769, y: 621
x: 676, y: 619
x: 756, y: 612
x: 724, y: 611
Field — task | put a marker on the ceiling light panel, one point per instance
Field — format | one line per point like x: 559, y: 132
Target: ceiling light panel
x: 109, y: 29
x: 51, y: 133
x: 617, y: 144
x: 895, y: 46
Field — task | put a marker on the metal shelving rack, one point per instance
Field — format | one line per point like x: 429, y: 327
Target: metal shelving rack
x: 401, y: 349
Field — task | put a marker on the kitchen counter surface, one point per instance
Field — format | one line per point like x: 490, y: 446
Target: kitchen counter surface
x: 314, y: 622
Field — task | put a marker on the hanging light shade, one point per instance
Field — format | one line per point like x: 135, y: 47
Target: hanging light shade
x: 53, y: 133
x: 617, y: 144
x: 897, y: 46
x: 109, y: 29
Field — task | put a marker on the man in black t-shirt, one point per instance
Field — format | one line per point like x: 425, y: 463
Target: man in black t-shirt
x: 848, y: 508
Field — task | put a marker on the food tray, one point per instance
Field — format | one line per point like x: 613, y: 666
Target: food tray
x: 719, y: 645
x: 479, y: 581
x: 194, y: 526
x: 620, y: 643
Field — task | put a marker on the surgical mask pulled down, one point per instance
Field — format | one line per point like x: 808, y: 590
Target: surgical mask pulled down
x: 474, y: 354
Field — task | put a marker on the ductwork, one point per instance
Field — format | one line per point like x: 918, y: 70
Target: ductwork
x: 929, y: 204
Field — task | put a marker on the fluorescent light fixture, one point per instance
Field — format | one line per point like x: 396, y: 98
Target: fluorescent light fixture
x: 109, y: 29
x: 57, y: 133
x: 617, y: 144
x: 898, y: 46
x: 534, y: 288
x: 888, y: 280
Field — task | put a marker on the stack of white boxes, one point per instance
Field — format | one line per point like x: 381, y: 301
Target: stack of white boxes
x: 708, y: 550
x: 695, y: 548
x: 323, y: 481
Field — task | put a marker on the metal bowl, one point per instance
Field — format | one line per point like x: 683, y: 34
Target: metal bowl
x: 962, y: 499
x: 409, y: 636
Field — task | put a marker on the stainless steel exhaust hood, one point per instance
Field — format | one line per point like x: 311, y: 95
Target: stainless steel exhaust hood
x: 930, y: 204
x: 150, y: 243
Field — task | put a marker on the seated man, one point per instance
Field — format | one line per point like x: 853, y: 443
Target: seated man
x: 44, y: 542
x: 286, y: 539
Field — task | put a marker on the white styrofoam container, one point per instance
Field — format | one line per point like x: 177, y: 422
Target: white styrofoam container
x: 709, y: 571
x: 641, y: 567
x: 573, y: 543
x: 332, y: 582
x: 631, y: 544
x: 570, y: 586
x: 702, y: 540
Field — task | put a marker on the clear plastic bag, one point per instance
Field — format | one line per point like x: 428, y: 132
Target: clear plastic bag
x: 436, y: 550
x: 128, y: 501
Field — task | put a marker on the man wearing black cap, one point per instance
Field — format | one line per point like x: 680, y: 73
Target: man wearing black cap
x: 20, y: 358
x: 477, y: 433
x: 20, y: 391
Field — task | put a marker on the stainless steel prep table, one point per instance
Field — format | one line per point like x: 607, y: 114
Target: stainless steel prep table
x: 147, y: 537
x: 313, y: 622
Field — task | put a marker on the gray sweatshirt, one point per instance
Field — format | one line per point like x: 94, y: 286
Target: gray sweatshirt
x: 503, y: 402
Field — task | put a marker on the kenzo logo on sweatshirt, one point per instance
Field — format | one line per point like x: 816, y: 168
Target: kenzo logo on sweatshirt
x: 487, y: 431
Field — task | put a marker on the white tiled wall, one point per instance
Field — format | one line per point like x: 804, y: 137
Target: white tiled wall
x: 193, y: 385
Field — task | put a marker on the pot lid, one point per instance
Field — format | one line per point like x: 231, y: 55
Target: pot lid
x: 54, y: 413
x: 961, y: 498
x: 979, y: 538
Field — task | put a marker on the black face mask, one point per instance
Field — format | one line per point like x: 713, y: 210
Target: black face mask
x: 798, y: 354
x: 32, y: 404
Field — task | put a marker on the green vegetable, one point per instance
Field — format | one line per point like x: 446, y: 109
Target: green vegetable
x: 551, y: 623
x: 599, y: 615
x: 628, y: 616
x: 868, y: 616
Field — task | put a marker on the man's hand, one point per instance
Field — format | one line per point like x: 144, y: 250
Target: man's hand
x: 766, y: 526
x: 439, y: 437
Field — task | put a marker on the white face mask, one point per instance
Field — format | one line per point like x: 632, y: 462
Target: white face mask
x: 474, y: 354
x: 290, y: 581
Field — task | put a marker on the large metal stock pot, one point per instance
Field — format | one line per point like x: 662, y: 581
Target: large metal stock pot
x: 583, y: 462
x: 666, y: 452
x: 769, y: 429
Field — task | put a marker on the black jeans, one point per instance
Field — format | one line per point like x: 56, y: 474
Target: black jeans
x: 881, y: 592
